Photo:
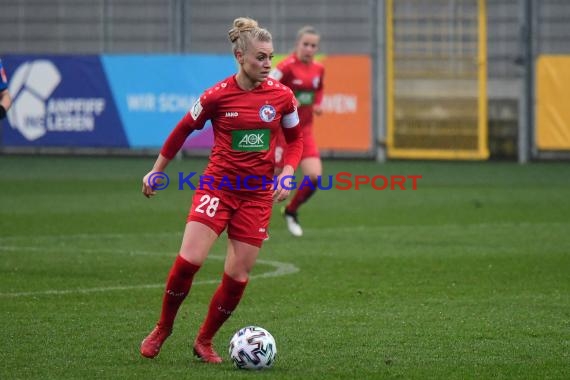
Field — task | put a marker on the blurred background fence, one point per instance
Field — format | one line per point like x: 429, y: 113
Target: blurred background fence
x: 517, y: 33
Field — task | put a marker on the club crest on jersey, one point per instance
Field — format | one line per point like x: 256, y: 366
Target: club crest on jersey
x: 267, y: 113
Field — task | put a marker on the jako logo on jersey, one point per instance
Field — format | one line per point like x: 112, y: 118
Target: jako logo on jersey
x: 267, y: 113
x: 34, y: 112
x: 232, y: 114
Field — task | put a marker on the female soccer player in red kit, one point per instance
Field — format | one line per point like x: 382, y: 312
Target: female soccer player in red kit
x: 245, y: 104
x: 304, y: 76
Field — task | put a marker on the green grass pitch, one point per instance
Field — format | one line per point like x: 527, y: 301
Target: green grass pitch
x: 468, y: 277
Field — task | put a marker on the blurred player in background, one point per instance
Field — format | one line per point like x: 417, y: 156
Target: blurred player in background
x: 304, y: 76
x: 5, y: 98
x: 245, y: 104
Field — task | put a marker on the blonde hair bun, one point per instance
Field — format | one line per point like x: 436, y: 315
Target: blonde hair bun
x: 241, y: 24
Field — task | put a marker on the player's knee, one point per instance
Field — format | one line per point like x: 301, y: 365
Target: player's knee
x: 314, y: 177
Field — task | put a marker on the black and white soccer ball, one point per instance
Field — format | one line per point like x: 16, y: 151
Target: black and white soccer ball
x: 253, y: 347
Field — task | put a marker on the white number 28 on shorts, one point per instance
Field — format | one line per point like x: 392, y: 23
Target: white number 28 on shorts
x: 212, y: 205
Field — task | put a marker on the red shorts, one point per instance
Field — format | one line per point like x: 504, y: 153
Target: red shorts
x: 247, y: 220
x: 310, y: 148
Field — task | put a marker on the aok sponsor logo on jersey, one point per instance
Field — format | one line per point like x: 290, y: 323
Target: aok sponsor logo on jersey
x: 254, y: 140
x: 305, y: 97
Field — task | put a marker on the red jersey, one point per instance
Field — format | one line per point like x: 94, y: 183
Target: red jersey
x: 306, y: 81
x: 245, y: 125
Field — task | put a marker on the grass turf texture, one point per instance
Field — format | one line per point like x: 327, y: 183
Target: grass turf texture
x: 467, y: 277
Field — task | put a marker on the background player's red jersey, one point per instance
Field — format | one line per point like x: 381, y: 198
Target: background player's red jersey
x: 245, y: 125
x: 306, y: 81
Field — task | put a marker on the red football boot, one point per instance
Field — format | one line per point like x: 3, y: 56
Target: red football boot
x: 204, y: 351
x: 150, y: 346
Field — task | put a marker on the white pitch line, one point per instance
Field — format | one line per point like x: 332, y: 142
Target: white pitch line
x: 84, y: 250
x: 107, y: 235
x: 281, y: 269
x: 86, y: 236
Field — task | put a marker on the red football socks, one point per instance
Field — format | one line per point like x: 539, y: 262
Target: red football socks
x: 301, y: 196
x: 223, y: 303
x: 177, y: 288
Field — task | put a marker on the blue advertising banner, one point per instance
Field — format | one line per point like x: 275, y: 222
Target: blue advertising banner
x: 131, y: 101
x: 60, y: 101
x: 153, y: 92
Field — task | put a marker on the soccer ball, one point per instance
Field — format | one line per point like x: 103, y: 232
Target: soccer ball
x: 253, y: 347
